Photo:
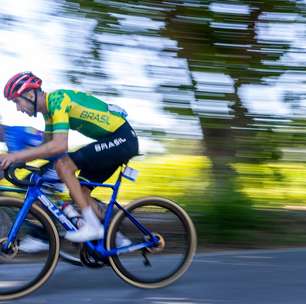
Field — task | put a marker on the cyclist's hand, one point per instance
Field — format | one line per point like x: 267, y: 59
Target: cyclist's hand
x: 6, y: 160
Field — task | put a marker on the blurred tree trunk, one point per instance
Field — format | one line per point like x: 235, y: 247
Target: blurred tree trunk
x: 237, y: 53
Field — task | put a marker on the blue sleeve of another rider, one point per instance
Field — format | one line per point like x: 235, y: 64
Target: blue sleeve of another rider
x: 19, y: 138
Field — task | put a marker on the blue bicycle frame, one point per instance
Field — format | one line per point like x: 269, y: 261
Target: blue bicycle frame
x: 35, y: 192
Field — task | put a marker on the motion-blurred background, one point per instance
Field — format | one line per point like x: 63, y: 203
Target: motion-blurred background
x: 215, y: 90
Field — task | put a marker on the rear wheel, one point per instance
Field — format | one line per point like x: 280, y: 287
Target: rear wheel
x: 161, y: 265
x: 23, y: 272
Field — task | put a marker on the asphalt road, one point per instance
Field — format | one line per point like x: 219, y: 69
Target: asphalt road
x: 240, y: 277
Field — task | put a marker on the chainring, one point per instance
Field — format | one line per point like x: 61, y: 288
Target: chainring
x: 90, y: 259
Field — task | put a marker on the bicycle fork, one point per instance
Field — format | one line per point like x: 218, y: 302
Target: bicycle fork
x: 21, y: 215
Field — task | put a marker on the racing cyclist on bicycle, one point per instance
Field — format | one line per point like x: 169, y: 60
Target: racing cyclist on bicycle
x: 115, y: 140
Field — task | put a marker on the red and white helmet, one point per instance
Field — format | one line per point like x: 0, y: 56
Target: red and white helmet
x: 20, y: 83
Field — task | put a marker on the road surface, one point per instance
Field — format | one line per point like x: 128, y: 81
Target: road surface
x: 235, y: 277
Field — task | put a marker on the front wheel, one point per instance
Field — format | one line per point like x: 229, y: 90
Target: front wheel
x: 163, y: 264
x: 23, y: 271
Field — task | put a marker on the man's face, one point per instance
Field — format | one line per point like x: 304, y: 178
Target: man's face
x: 23, y: 105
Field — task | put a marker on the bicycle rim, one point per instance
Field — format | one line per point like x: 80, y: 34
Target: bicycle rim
x: 165, y: 263
x: 21, y: 271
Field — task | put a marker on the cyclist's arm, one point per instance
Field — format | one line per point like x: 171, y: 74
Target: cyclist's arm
x: 48, y: 129
x: 47, y: 137
x: 57, y: 124
x: 57, y: 120
x: 57, y: 145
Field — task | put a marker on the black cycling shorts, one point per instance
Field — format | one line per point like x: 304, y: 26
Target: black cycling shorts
x: 99, y: 160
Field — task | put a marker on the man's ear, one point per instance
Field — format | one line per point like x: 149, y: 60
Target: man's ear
x: 30, y: 94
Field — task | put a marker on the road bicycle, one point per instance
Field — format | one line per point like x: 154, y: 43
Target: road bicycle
x: 161, y: 234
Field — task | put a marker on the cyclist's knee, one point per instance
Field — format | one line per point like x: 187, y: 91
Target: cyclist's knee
x: 65, y: 165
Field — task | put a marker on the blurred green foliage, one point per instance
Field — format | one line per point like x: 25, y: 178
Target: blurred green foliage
x: 171, y: 176
x: 261, y: 209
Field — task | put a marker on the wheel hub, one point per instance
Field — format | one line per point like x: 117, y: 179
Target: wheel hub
x: 159, y: 246
x: 9, y: 253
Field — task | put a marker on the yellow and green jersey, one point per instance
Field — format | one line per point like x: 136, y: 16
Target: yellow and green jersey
x: 79, y: 111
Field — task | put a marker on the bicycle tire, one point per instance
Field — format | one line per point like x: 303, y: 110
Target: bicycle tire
x: 176, y: 212
x: 53, y: 253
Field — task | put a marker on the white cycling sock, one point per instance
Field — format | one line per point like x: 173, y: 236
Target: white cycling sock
x: 90, y: 217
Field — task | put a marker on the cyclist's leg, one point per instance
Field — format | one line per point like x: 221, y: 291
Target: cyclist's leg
x: 66, y: 169
x: 97, y: 206
x: 98, y: 163
x: 92, y: 228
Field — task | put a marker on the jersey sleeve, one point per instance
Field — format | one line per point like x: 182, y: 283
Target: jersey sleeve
x: 48, y: 124
x: 57, y: 120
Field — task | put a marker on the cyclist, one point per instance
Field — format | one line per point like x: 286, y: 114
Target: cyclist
x: 115, y: 140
